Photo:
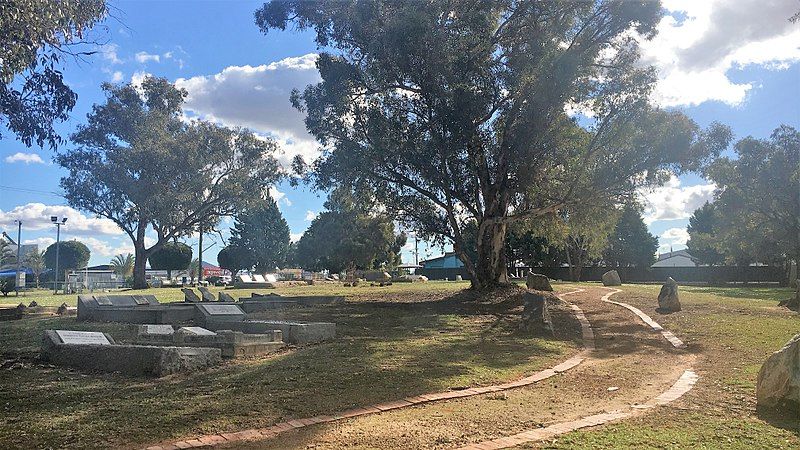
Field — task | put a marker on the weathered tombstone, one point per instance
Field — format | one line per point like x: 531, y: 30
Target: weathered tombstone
x: 778, y: 386
x: 611, y: 278
x: 197, y: 331
x: 535, y: 311
x: 207, y: 295
x: 225, y: 297
x: 207, y: 314
x: 538, y: 282
x: 668, y: 297
x: 189, y: 296
x: 82, y: 337
x: 160, y: 330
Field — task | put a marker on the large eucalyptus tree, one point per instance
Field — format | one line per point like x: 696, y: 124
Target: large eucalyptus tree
x: 460, y: 111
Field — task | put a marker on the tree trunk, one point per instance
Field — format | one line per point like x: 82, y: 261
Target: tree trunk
x: 490, y: 270
x: 139, y: 265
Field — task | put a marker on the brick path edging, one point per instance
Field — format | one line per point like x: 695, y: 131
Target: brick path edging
x: 668, y: 335
x: 270, y: 432
x: 682, y: 386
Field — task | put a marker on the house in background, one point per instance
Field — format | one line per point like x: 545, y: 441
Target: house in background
x: 678, y: 258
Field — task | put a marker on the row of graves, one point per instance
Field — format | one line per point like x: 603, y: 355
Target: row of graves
x: 180, y: 337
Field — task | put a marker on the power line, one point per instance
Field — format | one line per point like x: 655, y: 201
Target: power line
x: 31, y: 191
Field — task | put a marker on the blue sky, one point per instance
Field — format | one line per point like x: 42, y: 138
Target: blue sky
x: 749, y: 80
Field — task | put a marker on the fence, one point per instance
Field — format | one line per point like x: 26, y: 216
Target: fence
x: 709, y: 275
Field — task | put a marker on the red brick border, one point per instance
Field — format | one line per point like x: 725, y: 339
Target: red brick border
x: 266, y: 433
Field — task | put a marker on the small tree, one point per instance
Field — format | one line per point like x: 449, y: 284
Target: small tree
x: 262, y: 235
x: 346, y: 236
x: 35, y: 262
x: 194, y: 269
x: 8, y: 256
x: 171, y: 256
x: 72, y: 255
x: 232, y: 258
x: 703, y: 242
x: 631, y: 244
x: 137, y: 163
x: 122, y: 265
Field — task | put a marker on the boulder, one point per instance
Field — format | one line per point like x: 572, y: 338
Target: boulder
x: 538, y: 282
x: 611, y: 278
x: 668, y: 297
x: 778, y: 386
x: 535, y: 312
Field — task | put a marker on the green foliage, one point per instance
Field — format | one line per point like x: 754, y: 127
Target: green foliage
x: 7, y: 284
x: 123, y: 265
x: 757, y: 199
x: 232, y: 258
x: 703, y: 242
x: 71, y: 255
x: 261, y: 236
x: 194, y: 269
x: 524, y: 246
x: 455, y: 111
x: 347, y: 237
x: 35, y: 262
x: 171, y: 256
x: 631, y: 244
x: 8, y: 256
x: 137, y: 163
x: 36, y: 36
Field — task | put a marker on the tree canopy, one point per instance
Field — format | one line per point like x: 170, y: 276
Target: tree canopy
x: 37, y: 35
x: 171, y: 256
x: 460, y: 111
x: 630, y: 244
x: 261, y: 235
x: 703, y: 242
x: 232, y: 258
x: 71, y: 255
x: 347, y: 237
x: 139, y: 164
x: 123, y: 265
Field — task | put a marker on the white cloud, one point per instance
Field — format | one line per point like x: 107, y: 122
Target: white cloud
x: 673, y: 201
x: 695, y: 52
x: 42, y: 242
x: 311, y: 215
x: 117, y: 76
x: 294, y: 237
x: 27, y: 158
x: 144, y: 57
x: 258, y: 98
x: 675, y: 236
x: 279, y: 197
x: 109, y: 53
x: 36, y: 216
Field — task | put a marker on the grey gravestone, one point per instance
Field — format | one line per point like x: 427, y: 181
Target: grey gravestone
x: 141, y: 300
x: 225, y: 297
x: 190, y: 296
x: 207, y: 295
x: 82, y: 337
x: 156, y: 329
x: 199, y: 331
x: 222, y: 310
x: 102, y: 300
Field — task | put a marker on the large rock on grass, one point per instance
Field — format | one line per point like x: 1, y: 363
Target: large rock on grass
x: 538, y: 282
x: 535, y: 312
x: 778, y: 385
x: 611, y: 278
x: 668, y: 297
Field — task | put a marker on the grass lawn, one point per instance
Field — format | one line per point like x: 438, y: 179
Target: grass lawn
x: 732, y: 331
x: 363, y: 291
x: 417, y: 341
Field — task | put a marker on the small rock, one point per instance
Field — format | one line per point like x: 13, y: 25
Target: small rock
x: 612, y: 389
x: 611, y: 278
x: 668, y: 297
x: 62, y: 309
x: 538, y: 282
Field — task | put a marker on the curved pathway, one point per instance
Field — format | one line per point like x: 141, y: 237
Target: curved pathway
x: 677, y: 343
x: 275, y: 430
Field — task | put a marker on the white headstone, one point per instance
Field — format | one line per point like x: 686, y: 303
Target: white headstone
x: 259, y: 278
x: 245, y: 278
x: 218, y: 310
x: 82, y: 337
x: 200, y: 331
x: 158, y: 329
x: 270, y: 278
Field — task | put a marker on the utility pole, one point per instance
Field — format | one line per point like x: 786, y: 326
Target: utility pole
x: 58, y: 224
x: 200, y: 262
x: 19, y: 245
x: 416, y: 250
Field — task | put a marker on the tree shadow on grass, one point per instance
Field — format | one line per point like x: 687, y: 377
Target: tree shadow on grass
x: 784, y: 418
x: 383, y: 352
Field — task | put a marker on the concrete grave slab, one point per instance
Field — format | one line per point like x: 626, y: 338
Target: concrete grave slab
x: 82, y: 337
x: 161, y: 330
x: 88, y: 305
x: 197, y: 331
x: 231, y: 343
x: 292, y: 332
x: 127, y: 359
x: 205, y: 313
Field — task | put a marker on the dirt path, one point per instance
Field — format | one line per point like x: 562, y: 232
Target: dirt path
x: 632, y: 364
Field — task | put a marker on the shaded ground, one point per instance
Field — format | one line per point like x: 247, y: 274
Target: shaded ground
x: 641, y: 364
x: 386, y: 350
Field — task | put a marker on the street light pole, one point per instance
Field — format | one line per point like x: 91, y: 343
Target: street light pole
x: 58, y: 224
x: 19, y: 245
